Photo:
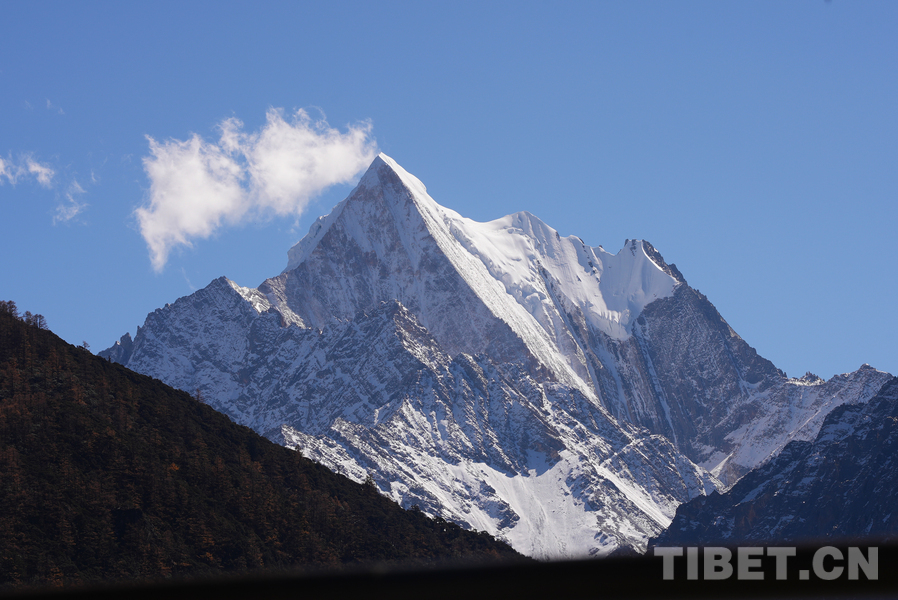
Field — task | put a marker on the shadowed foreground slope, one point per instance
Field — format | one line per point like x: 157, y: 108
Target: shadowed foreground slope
x: 110, y: 475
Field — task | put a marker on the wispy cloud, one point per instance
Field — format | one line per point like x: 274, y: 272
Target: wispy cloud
x: 25, y: 167
x: 53, y: 107
x: 187, y: 279
x: 67, y: 211
x: 42, y: 173
x: 197, y: 187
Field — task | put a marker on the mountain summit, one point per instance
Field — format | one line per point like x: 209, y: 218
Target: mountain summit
x: 497, y: 374
x: 501, y: 288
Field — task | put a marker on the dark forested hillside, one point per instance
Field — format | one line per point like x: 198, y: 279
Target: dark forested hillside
x: 110, y: 475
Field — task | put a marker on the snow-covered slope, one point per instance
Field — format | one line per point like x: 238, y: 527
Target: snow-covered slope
x: 485, y: 445
x: 497, y: 374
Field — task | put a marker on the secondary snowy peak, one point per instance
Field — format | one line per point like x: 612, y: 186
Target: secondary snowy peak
x: 534, y: 263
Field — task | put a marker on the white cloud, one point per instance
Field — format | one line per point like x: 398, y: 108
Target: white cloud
x: 290, y: 162
x: 26, y: 166
x: 196, y: 187
x: 10, y: 170
x: 67, y: 211
x: 187, y: 279
x: 51, y: 106
x: 42, y: 173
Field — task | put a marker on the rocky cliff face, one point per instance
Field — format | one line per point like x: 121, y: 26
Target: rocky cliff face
x: 722, y: 404
x: 505, y: 377
x: 840, y: 485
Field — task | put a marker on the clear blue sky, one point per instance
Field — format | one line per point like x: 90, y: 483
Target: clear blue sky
x: 755, y: 144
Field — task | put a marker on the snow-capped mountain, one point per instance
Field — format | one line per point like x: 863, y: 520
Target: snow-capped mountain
x: 498, y: 374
